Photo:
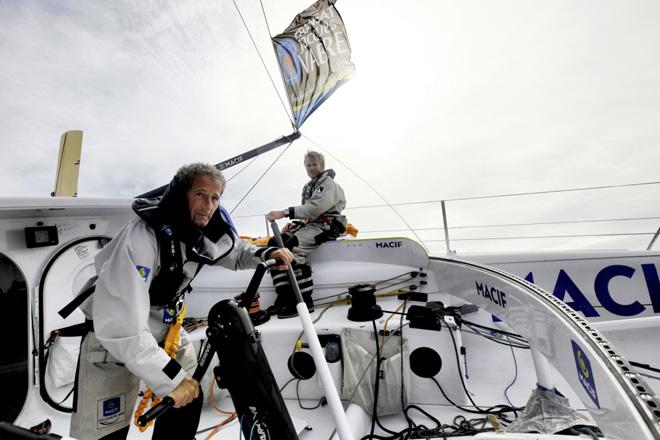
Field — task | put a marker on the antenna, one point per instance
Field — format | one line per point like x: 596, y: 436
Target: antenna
x: 68, y: 164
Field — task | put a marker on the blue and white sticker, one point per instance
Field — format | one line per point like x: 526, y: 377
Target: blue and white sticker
x: 144, y: 272
x: 111, y: 411
x: 585, y: 373
x: 166, y: 229
x: 169, y: 314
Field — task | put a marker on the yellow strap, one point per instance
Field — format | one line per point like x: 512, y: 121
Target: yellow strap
x: 171, y: 347
x: 263, y: 241
x: 351, y: 230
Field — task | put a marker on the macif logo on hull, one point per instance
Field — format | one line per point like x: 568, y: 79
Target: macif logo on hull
x: 389, y: 244
x: 626, y: 299
x: 585, y: 373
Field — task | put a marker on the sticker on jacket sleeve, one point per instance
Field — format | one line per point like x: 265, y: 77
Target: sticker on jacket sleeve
x: 111, y: 411
x: 144, y: 272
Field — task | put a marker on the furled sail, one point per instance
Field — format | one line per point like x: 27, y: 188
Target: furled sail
x: 314, y: 57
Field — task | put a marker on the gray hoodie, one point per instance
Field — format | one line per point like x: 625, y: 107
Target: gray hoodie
x: 321, y: 196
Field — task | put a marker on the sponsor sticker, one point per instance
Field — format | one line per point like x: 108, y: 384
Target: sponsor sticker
x: 111, y: 411
x: 169, y: 314
x: 144, y: 272
x: 585, y: 373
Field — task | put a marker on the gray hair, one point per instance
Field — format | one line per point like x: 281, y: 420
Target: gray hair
x: 315, y: 155
x: 187, y: 174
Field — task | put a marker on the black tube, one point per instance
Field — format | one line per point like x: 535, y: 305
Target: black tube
x: 292, y: 276
x: 155, y: 411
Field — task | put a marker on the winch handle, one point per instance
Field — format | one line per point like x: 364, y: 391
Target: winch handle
x: 255, y: 281
x: 155, y: 411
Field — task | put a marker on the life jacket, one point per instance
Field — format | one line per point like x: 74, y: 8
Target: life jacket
x: 166, y: 285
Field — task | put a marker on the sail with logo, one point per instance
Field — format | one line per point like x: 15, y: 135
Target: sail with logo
x: 314, y: 57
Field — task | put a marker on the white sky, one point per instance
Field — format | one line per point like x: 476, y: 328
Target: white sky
x: 450, y: 99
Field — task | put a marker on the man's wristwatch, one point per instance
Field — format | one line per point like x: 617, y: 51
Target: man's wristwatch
x: 286, y: 212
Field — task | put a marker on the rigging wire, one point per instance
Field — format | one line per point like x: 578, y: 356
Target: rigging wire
x: 526, y: 237
x: 410, y: 228
x: 552, y: 191
x: 562, y: 222
x: 286, y: 109
x: 459, y: 199
x: 270, y: 34
x: 242, y: 169
x: 260, y: 177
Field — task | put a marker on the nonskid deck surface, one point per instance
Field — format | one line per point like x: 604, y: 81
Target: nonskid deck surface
x: 317, y: 424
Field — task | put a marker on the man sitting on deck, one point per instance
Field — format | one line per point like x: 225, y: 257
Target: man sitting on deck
x: 318, y: 219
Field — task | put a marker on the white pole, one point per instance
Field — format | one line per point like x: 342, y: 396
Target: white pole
x: 331, y: 393
x: 322, y: 368
x: 542, y: 368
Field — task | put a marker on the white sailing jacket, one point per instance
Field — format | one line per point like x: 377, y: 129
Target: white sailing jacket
x: 125, y: 322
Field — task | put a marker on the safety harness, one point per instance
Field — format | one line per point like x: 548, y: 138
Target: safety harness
x: 171, y: 347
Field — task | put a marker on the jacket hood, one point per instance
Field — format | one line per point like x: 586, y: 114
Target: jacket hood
x: 329, y: 172
x: 170, y: 214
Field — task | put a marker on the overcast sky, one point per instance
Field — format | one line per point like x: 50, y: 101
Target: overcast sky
x: 450, y: 99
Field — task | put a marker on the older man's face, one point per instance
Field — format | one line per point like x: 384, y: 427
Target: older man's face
x: 203, y: 199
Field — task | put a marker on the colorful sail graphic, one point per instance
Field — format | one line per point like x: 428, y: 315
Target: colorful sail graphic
x: 314, y: 57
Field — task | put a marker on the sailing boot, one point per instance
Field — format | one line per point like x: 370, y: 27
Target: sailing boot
x: 283, y: 289
x: 303, y: 274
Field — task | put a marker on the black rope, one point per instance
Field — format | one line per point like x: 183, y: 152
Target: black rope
x: 490, y: 410
x: 524, y: 346
x: 644, y: 366
x: 495, y: 330
x: 322, y: 400
x: 409, y: 273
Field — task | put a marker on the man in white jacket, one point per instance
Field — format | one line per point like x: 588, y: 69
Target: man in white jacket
x: 318, y: 219
x: 144, y: 274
